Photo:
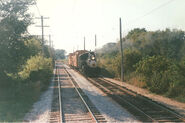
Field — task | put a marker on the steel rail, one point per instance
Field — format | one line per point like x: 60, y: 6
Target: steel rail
x: 68, y: 74
x: 124, y: 100
x: 60, y: 102
x: 155, y: 103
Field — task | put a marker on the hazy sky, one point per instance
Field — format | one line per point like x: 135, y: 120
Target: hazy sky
x: 71, y: 20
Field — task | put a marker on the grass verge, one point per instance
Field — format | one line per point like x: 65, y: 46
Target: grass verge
x: 16, y: 101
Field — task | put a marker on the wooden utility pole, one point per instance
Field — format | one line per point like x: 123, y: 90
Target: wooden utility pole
x: 50, y: 47
x: 52, y: 44
x: 84, y: 43
x: 122, y: 70
x: 95, y: 41
x: 50, y: 41
x: 42, y: 27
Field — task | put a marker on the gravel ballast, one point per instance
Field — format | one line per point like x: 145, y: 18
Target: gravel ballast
x: 40, y: 112
x: 111, y: 111
x: 177, y: 106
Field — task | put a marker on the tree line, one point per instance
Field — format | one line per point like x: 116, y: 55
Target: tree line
x: 26, y: 66
x: 154, y: 58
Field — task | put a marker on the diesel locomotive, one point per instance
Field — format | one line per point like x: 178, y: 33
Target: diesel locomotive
x: 84, y: 61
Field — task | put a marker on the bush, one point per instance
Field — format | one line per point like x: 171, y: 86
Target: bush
x: 131, y: 57
x: 177, y: 79
x: 159, y: 82
x: 106, y: 66
x: 154, y: 69
x: 34, y: 64
x: 111, y: 65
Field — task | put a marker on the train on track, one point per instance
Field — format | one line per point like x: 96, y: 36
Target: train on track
x: 84, y: 61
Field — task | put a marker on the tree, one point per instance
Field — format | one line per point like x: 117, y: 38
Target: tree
x: 135, y: 33
x: 14, y: 21
x: 60, y: 54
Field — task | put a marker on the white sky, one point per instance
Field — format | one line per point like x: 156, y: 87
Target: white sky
x: 71, y: 20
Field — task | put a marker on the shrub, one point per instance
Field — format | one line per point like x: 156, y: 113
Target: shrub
x: 131, y: 57
x: 34, y: 64
x: 177, y: 79
x: 117, y: 65
x: 154, y: 69
x: 159, y: 82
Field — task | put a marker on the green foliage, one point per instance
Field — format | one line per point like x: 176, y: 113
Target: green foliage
x: 177, y: 79
x: 131, y: 57
x: 154, y: 71
x: 14, y: 21
x: 36, y: 63
x: 156, y: 57
x: 106, y: 67
x: 60, y: 54
x: 112, y: 61
x: 117, y: 65
x: 135, y: 33
x: 168, y: 43
x: 33, y: 46
x: 151, y: 64
x: 24, y: 71
x: 108, y: 49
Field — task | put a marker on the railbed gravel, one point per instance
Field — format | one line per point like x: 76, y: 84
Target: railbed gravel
x: 40, y: 113
x: 111, y: 111
x: 179, y: 107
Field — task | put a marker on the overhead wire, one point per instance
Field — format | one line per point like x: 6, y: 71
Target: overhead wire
x: 147, y: 13
x: 37, y: 7
x: 151, y: 11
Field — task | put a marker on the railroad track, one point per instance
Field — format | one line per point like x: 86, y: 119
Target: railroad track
x: 142, y: 108
x: 72, y: 104
x: 55, y: 114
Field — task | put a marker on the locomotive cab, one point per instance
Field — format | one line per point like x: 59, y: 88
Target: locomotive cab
x: 87, y: 63
x: 91, y: 62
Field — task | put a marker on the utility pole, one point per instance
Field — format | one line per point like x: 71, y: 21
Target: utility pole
x: 42, y: 27
x: 50, y: 48
x: 84, y: 43
x: 95, y: 41
x: 52, y: 44
x: 122, y: 70
x: 53, y: 51
x: 50, y: 41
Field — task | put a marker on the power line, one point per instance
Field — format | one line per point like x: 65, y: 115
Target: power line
x: 37, y: 8
x: 151, y: 11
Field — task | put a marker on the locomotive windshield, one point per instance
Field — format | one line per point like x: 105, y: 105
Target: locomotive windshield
x: 84, y: 56
x: 89, y: 55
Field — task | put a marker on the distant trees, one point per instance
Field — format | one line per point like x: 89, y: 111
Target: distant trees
x: 108, y: 48
x: 60, y: 54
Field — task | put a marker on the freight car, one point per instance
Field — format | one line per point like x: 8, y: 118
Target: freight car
x: 84, y: 61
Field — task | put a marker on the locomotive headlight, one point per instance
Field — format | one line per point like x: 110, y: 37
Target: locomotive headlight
x: 93, y: 58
